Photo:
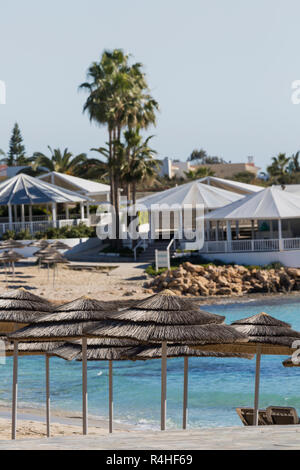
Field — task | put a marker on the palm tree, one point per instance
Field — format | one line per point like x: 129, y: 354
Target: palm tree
x: 62, y: 162
x: 278, y: 170
x: 199, y: 173
x: 118, y: 98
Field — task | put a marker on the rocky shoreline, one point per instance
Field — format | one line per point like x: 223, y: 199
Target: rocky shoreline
x: 226, y: 281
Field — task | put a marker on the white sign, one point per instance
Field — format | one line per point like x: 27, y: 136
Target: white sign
x: 162, y: 259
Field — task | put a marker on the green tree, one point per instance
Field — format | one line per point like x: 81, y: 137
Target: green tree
x: 199, y: 173
x: 62, y: 162
x: 16, y: 154
x: 279, y: 169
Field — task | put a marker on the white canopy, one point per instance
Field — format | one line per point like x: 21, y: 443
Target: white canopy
x: 74, y: 183
x: 192, y: 193
x: 229, y: 185
x: 271, y: 203
x: 24, y: 189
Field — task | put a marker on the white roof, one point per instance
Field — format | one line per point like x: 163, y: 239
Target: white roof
x: 86, y: 186
x: 192, y: 193
x: 24, y: 189
x: 235, y: 186
x: 271, y: 203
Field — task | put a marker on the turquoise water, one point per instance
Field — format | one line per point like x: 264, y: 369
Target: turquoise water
x: 216, y: 386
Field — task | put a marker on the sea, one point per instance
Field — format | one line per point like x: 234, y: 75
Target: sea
x: 216, y: 386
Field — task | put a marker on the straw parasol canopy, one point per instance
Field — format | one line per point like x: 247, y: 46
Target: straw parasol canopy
x: 42, y: 243
x: 54, y: 258
x: 177, y: 350
x: 13, y: 256
x: 48, y: 250
x: 66, y: 321
x: 273, y: 336
x: 10, y: 244
x: 58, y: 245
x: 165, y: 317
x: 97, y: 350
x: 19, y: 307
x: 29, y: 349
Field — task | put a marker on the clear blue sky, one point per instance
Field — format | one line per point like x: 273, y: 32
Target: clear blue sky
x: 221, y: 71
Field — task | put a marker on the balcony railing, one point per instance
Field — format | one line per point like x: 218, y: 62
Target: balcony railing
x: 242, y: 246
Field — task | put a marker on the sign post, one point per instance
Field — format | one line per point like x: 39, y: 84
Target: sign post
x: 162, y: 259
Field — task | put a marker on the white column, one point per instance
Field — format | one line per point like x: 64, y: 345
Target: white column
x: 30, y: 218
x: 10, y: 217
x: 229, y: 235
x: 16, y: 213
x: 280, y: 235
x: 23, y: 215
x: 54, y: 213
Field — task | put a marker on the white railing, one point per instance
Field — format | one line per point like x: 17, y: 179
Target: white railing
x: 41, y: 226
x: 251, y: 245
x: 291, y: 244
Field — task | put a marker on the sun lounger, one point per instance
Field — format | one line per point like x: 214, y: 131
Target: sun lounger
x: 282, y: 415
x: 246, y: 416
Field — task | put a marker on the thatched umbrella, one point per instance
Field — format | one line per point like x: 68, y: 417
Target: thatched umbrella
x: 42, y: 243
x: 10, y: 244
x: 17, y: 309
x: 13, y: 257
x: 145, y: 353
x: 54, y: 259
x: 99, y: 350
x: 58, y: 245
x: 165, y: 318
x: 4, y: 259
x: 266, y: 335
x: 67, y: 323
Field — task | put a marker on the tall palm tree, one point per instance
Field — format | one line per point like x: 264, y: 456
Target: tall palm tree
x: 118, y: 98
x: 62, y: 162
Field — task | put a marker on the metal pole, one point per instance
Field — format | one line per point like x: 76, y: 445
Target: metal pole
x: 48, y: 394
x: 163, y: 413
x: 111, y: 402
x: 14, y: 393
x: 185, y: 392
x: 84, y: 387
x: 257, y: 376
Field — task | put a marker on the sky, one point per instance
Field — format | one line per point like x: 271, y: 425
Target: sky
x: 221, y: 71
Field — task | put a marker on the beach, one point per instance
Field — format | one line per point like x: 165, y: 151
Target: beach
x: 216, y: 387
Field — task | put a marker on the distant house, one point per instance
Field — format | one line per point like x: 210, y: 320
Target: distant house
x: 171, y: 168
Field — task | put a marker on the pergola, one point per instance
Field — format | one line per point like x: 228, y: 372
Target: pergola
x: 23, y: 190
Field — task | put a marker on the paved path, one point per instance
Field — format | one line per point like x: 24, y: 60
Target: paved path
x: 238, y: 438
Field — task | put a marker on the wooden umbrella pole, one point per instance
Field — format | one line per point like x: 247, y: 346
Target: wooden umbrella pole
x: 111, y: 403
x: 163, y: 413
x: 47, y: 357
x: 257, y: 377
x: 185, y: 392
x: 14, y: 393
x: 84, y: 388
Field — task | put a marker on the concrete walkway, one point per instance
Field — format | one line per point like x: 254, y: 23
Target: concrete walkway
x: 237, y: 438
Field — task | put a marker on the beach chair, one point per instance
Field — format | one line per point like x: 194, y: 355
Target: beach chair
x: 246, y: 415
x: 282, y: 415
